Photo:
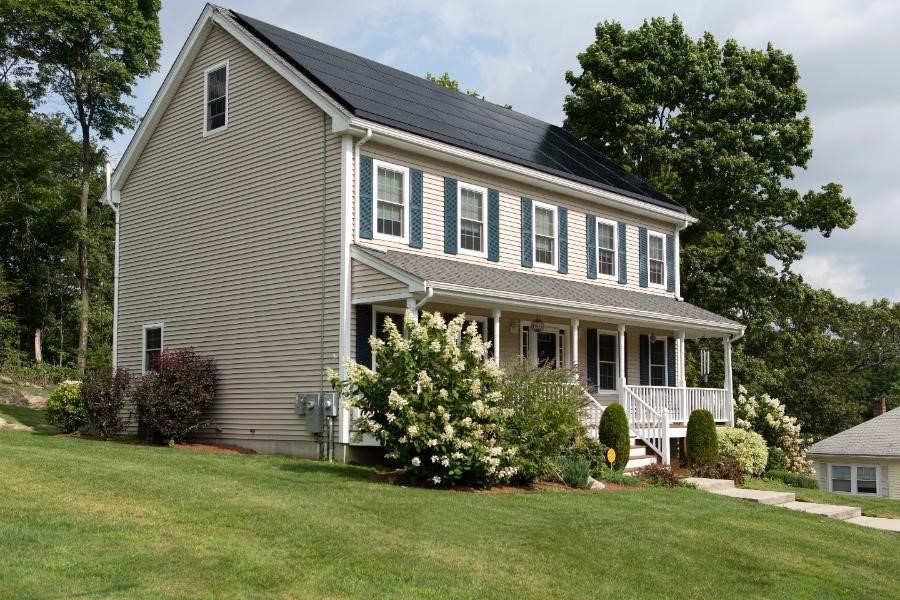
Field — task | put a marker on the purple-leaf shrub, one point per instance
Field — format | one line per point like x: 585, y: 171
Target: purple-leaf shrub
x: 104, y: 393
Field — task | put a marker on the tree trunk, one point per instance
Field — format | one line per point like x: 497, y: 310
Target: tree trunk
x: 38, y: 353
x: 82, y: 247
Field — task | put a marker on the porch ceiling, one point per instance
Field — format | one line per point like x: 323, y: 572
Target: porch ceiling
x: 467, y: 282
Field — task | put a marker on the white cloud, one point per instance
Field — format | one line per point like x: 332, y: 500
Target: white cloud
x: 841, y: 274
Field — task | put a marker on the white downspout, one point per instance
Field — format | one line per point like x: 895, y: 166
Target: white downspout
x: 115, y: 208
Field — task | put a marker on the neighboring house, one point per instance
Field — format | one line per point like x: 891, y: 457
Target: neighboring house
x: 282, y: 197
x: 863, y: 460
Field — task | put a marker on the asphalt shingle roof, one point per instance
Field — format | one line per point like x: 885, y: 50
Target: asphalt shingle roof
x: 876, y: 437
x: 604, y: 297
x: 413, y: 104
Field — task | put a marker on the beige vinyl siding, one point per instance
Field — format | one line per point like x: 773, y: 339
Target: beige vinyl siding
x: 511, y: 192
x: 222, y: 240
x: 371, y: 283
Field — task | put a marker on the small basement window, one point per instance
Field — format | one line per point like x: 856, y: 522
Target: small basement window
x: 153, y: 344
x: 216, y: 94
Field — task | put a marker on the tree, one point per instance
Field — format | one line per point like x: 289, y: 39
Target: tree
x: 448, y: 82
x: 90, y: 54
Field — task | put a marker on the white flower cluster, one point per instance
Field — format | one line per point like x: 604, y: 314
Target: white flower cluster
x: 766, y: 416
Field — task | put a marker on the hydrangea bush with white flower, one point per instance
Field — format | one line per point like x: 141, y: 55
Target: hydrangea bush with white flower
x: 434, y: 402
x: 766, y: 416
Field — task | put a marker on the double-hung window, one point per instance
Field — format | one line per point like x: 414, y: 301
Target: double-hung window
x: 607, y: 242
x: 656, y: 259
x: 216, y: 98
x: 153, y: 344
x: 545, y: 252
x: 606, y: 362
x: 472, y: 219
x: 392, y: 198
x: 658, y: 366
x: 855, y: 479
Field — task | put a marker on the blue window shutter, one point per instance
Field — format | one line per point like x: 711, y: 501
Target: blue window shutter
x: 670, y: 360
x: 562, y: 215
x: 366, y: 182
x: 642, y: 256
x: 670, y: 263
x: 645, y: 359
x: 415, y: 208
x: 450, y: 225
x: 364, y: 330
x: 623, y: 257
x: 591, y: 231
x: 592, y: 357
x: 527, y: 252
x: 493, y: 225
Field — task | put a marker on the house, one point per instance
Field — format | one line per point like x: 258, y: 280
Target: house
x: 863, y: 460
x: 282, y: 197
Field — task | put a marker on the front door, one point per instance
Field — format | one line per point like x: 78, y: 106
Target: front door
x: 547, y: 349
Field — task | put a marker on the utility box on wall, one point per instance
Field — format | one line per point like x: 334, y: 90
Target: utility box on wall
x: 315, y: 407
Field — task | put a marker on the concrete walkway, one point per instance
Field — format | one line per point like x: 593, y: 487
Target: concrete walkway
x: 850, y: 514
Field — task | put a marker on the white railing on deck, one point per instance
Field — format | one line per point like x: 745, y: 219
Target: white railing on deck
x: 648, y: 424
x: 680, y: 402
x: 593, y: 410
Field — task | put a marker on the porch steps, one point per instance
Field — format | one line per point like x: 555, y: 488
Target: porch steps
x: 639, y: 456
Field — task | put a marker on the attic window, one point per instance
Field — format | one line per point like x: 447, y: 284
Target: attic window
x: 216, y: 94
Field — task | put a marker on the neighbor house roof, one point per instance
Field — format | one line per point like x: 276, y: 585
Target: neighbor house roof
x: 412, y: 104
x: 878, y: 437
x: 446, y: 273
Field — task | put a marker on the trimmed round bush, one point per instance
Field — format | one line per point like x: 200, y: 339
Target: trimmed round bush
x: 613, y: 433
x: 777, y: 460
x: 702, y: 442
x: 65, y: 407
x: 747, y: 448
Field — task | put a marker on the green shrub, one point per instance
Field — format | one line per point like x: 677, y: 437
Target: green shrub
x: 729, y: 468
x: 544, y: 416
x: 104, y: 399
x: 747, y: 448
x: 777, y: 460
x: 793, y: 479
x: 65, y: 407
x: 658, y: 475
x: 613, y: 433
x: 590, y: 450
x: 702, y: 445
x: 22, y: 371
x: 173, y: 400
x: 574, y: 471
x: 613, y: 476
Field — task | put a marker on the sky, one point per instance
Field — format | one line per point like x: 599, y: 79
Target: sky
x: 518, y: 52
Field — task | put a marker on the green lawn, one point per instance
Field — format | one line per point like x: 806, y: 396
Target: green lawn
x: 86, y: 518
x: 872, y: 507
x: 22, y: 415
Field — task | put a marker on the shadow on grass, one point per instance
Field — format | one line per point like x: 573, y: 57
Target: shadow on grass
x: 22, y: 415
x: 312, y: 467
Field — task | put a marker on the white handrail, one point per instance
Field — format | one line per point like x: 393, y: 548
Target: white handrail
x: 680, y: 402
x: 649, y: 425
x: 593, y: 411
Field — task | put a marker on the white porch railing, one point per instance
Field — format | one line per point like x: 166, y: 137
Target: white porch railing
x: 593, y: 410
x: 648, y: 424
x: 680, y: 402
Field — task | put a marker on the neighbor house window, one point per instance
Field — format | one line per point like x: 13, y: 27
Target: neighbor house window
x: 866, y: 480
x: 656, y: 259
x: 153, y: 344
x: 841, y: 478
x: 216, y: 92
x: 544, y: 234
x: 472, y: 217
x: 607, y: 233
x: 391, y: 194
x: 657, y: 361
x: 855, y: 479
x: 606, y: 361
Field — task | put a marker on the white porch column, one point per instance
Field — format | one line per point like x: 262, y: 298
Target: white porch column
x: 411, y: 307
x: 574, y: 360
x: 682, y: 376
x: 496, y: 315
x: 622, y: 359
x: 729, y: 385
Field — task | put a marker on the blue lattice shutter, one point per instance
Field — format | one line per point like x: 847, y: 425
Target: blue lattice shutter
x: 493, y: 225
x: 642, y: 256
x: 364, y: 330
x: 670, y: 263
x: 563, y: 218
x: 527, y: 228
x: 450, y: 205
x: 645, y: 359
x: 592, y: 356
x: 591, y: 236
x: 415, y: 208
x: 670, y: 361
x: 623, y: 257
x: 366, y: 181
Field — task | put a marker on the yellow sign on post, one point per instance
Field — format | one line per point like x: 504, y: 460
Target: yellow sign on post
x: 611, y: 455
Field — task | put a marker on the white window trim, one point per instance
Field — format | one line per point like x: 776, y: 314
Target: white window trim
x: 375, y: 200
x: 484, y: 225
x: 534, y: 206
x: 853, y: 479
x: 209, y: 132
x: 162, y: 342
x: 615, y: 336
x: 665, y: 363
x: 562, y: 345
x: 665, y: 267
x: 615, y: 250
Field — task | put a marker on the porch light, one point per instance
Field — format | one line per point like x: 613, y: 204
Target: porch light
x: 537, y: 326
x: 514, y: 327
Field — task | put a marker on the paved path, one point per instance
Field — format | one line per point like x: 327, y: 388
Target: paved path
x: 850, y: 514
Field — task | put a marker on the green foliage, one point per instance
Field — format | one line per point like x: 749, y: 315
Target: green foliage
x: 434, y: 404
x: 792, y: 479
x: 448, y: 82
x: 746, y: 448
x: 574, y: 471
x: 104, y: 400
x: 658, y: 475
x: 702, y: 443
x: 22, y: 371
x: 613, y: 433
x: 590, y: 450
x: 777, y: 459
x: 65, y: 407
x: 545, y: 416
x: 615, y: 476
x: 767, y: 416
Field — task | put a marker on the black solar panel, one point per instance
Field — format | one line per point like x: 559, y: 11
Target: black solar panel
x: 391, y: 97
